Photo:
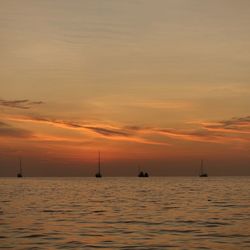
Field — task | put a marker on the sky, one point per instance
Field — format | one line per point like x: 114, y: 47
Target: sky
x: 159, y: 84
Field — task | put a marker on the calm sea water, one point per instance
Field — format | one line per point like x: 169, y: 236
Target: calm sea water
x: 125, y: 213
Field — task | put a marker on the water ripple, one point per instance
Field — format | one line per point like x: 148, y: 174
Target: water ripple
x: 125, y: 213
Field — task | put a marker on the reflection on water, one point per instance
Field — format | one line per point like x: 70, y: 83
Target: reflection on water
x: 125, y: 213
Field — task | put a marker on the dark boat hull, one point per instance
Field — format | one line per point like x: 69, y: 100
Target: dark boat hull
x: 203, y: 175
x: 142, y: 174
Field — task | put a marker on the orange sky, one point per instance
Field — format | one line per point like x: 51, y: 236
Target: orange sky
x: 162, y: 84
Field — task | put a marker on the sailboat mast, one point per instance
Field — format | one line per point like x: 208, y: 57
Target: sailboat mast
x: 99, y: 162
x: 20, y: 165
x: 201, y: 166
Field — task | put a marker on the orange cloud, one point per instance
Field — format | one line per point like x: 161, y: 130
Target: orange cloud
x: 217, y: 132
x: 110, y: 132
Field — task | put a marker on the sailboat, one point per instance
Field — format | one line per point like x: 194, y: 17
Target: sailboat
x: 202, y: 173
x: 20, y: 174
x: 141, y: 173
x: 98, y: 174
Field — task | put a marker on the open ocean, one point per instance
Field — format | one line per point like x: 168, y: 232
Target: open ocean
x: 125, y: 213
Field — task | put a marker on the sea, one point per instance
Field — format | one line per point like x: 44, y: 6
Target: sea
x: 125, y: 213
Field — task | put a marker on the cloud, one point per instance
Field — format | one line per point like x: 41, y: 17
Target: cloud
x: 7, y: 130
x: 236, y: 125
x: 236, y: 122
x: 199, y: 135
x: 217, y: 132
x: 20, y: 104
x: 118, y: 133
x: 108, y: 132
x: 134, y: 128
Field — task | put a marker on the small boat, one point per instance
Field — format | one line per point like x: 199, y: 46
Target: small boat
x: 202, y: 173
x: 98, y: 174
x: 142, y: 174
x: 20, y: 174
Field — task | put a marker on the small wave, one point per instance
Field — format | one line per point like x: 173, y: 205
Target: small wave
x: 214, y: 223
x: 169, y: 207
x: 146, y: 247
x: 107, y: 241
x: 74, y: 242
x: 225, y: 235
x: 33, y: 236
x: 187, y: 221
x: 179, y: 231
x: 51, y: 238
x: 6, y: 247
x: 229, y: 205
x: 91, y: 246
x: 137, y: 222
x: 56, y: 211
x: 99, y: 211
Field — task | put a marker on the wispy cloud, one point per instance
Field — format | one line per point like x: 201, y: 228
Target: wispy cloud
x: 112, y: 132
x: 7, y: 130
x: 108, y: 132
x: 227, y: 131
x: 218, y: 132
x: 20, y: 104
x: 188, y: 135
x: 236, y: 125
x: 99, y: 129
x: 201, y: 135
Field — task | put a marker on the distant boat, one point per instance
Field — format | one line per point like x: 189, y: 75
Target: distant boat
x: 20, y: 174
x: 142, y: 174
x: 98, y: 174
x: 202, y: 173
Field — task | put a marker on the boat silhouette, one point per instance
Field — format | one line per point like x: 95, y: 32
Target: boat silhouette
x: 142, y: 174
x: 20, y: 174
x: 98, y: 174
x: 202, y: 173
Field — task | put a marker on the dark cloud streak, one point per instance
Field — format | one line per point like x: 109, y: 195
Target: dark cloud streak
x: 217, y: 132
x: 74, y: 125
x: 240, y: 124
x: 19, y: 104
x: 108, y: 132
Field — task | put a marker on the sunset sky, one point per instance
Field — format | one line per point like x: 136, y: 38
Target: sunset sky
x: 156, y: 83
